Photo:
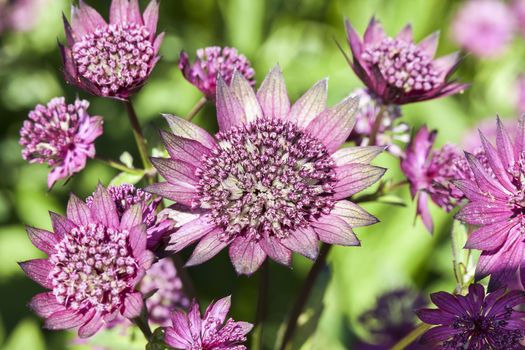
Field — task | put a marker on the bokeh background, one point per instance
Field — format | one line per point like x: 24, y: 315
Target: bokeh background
x: 299, y: 35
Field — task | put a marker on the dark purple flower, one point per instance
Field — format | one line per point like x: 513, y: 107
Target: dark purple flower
x: 115, y: 59
x: 475, y: 321
x: 95, y: 261
x: 162, y: 278
x: 271, y: 181
x: 60, y: 135
x: 388, y: 132
x: 211, y: 62
x: 496, y: 205
x: 397, y: 70
x: 211, y: 332
x: 430, y: 173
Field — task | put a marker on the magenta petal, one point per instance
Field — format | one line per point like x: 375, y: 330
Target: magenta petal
x: 504, y: 145
x: 184, y: 128
x: 424, y: 212
x: 38, y: 270
x: 405, y: 34
x: 186, y: 150
x: 520, y: 138
x: 133, y: 305
x: 276, y: 251
x: 352, y: 214
x: 195, y: 321
x: 353, y: 39
x: 209, y: 246
x: 45, y: 304
x: 104, y: 209
x: 61, y: 224
x: 218, y: 310
x: 190, y: 232
x: 86, y: 19
x: 151, y: 17
x: 244, y: 93
x: 354, y: 178
x: 484, y: 213
x: 303, y: 241
x: 43, y: 240
x: 118, y: 12
x: 429, y: 44
x: 333, y: 230
x: 435, y: 316
x: 361, y: 155
x: 64, y: 319
x: 447, y: 303
x: 92, y: 326
x: 310, y: 105
x: 496, y: 164
x: 489, y: 237
x: 272, y: 95
x: 180, y: 193
x: 70, y: 37
x: 374, y: 32
x: 333, y: 126
x: 437, y: 335
x: 179, y: 335
x: 483, y: 179
x: 470, y: 190
x: 176, y: 172
x: 78, y: 211
x: 246, y: 255
x: 137, y: 239
x: 229, y: 110
x: 447, y: 64
x: 131, y: 217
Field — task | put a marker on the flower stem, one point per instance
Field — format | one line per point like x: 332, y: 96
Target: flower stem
x: 139, y: 139
x: 377, y: 125
x: 411, y: 337
x: 302, y: 299
x: 262, y: 307
x: 196, y: 109
x: 142, y: 323
x: 120, y: 166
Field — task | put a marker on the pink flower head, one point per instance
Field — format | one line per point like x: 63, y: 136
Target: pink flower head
x: 389, y: 131
x: 211, y: 332
x: 397, y: 70
x: 430, y: 174
x: 115, y: 59
x: 162, y: 280
x: 518, y: 9
x: 60, y: 135
x: 126, y: 195
x: 211, y: 62
x: 484, y: 27
x: 19, y: 15
x: 496, y: 206
x: 272, y: 180
x: 95, y: 260
x: 475, y: 321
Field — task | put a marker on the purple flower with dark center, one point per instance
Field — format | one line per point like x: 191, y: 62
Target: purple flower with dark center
x: 212, y: 332
x: 212, y: 62
x: 95, y: 261
x: 475, y: 321
x: 115, y: 59
x: 484, y: 27
x: 430, y: 174
x: 388, y: 132
x: 271, y: 181
x: 397, y: 70
x: 61, y: 135
x: 496, y: 206
x: 162, y: 278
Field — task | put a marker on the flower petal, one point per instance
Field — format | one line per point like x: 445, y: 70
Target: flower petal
x: 78, y: 211
x: 64, y: 319
x: 495, y: 163
x: 310, y: 105
x: 246, y: 255
x: 435, y: 316
x: 133, y: 305
x: 190, y: 232
x: 137, y: 239
x: 504, y: 145
x: 272, y: 95
x: 176, y: 172
x: 209, y: 246
x: 303, y: 241
x: 85, y: 19
x: 151, y: 17
x: 484, y: 213
x: 354, y: 178
x: 361, y: 155
x: 489, y: 237
x: 92, y: 326
x: 276, y: 251
x: 352, y: 214
x: 437, y: 335
x: 180, y: 193
x: 104, y: 209
x: 333, y: 230
x: 374, y: 32
x: 125, y: 11
x: 38, y: 270
x: 44, y: 240
x: 45, y: 304
x: 61, y: 224
x: 429, y: 44
x: 229, y: 110
x: 405, y: 34
x: 131, y: 217
x: 218, y: 310
x: 186, y: 129
x: 186, y: 150
x: 244, y: 93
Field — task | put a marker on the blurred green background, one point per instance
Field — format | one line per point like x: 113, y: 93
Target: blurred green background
x: 299, y: 35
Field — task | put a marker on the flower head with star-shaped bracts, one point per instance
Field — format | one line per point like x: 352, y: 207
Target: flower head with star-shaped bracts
x: 431, y: 173
x: 115, y: 59
x: 212, y: 332
x: 272, y: 180
x: 96, y: 260
x: 61, y: 135
x: 397, y: 70
x: 476, y: 321
x: 497, y: 206
x: 212, y: 62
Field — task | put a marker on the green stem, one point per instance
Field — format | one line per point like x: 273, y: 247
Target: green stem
x: 120, y: 166
x: 411, y: 337
x: 139, y: 139
x: 377, y: 124
x: 304, y: 295
x: 262, y: 307
x: 142, y: 323
x: 196, y: 109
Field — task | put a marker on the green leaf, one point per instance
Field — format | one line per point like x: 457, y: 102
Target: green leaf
x: 126, y: 178
x: 27, y: 335
x: 127, y: 159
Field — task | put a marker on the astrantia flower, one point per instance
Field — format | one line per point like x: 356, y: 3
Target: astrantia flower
x: 126, y: 195
x: 61, y: 135
x: 214, y: 61
x: 484, y: 27
x: 397, y: 70
x: 475, y: 321
x: 496, y: 205
x: 211, y: 332
x: 430, y: 173
x: 163, y: 280
x: 112, y: 59
x: 388, y: 131
x: 95, y: 261
x: 271, y: 181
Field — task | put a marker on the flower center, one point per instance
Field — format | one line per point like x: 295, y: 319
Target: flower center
x: 266, y: 178
x: 115, y: 57
x: 403, y: 65
x: 93, y: 267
